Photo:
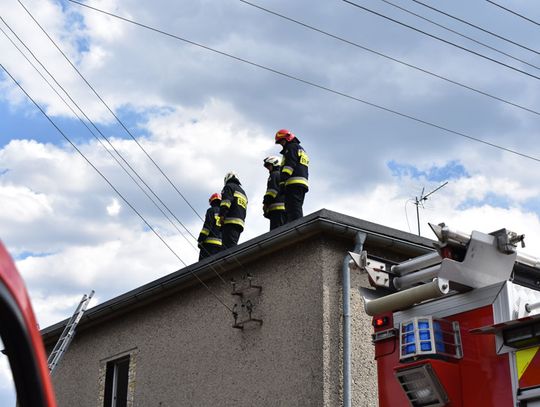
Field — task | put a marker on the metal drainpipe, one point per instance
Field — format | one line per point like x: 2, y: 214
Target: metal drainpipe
x: 346, y: 277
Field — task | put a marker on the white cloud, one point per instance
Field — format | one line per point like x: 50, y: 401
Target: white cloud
x: 113, y: 209
x: 53, y: 308
x: 66, y: 29
x: 23, y: 204
x: 390, y: 204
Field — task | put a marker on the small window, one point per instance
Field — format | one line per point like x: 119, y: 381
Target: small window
x: 116, y: 383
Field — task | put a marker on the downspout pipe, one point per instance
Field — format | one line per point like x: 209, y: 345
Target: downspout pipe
x: 346, y: 290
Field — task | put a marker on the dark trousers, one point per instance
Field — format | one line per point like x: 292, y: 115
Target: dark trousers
x: 230, y: 235
x: 208, y: 250
x: 277, y: 218
x: 294, y: 199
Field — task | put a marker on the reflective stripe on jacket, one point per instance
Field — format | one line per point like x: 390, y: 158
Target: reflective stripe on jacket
x: 234, y: 203
x: 294, y: 166
x: 213, y: 240
x: 273, y: 200
x: 276, y: 207
x: 233, y: 221
x: 211, y: 228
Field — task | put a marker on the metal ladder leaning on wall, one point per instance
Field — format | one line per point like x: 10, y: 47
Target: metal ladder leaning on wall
x: 68, y: 333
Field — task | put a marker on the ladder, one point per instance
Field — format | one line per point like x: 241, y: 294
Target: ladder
x: 68, y: 333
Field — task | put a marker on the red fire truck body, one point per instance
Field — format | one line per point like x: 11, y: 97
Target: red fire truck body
x: 22, y: 340
x: 481, y: 379
x: 458, y: 327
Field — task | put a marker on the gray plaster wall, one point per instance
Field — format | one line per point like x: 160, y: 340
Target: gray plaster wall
x: 185, y: 352
x: 363, y: 366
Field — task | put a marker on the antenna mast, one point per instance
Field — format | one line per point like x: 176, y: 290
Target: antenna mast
x: 420, y: 201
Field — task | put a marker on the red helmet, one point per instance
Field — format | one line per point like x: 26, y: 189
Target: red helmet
x: 284, y: 134
x: 213, y: 197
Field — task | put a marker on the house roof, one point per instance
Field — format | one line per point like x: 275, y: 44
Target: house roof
x: 322, y: 221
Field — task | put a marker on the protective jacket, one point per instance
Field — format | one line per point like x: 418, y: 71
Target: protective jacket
x: 294, y: 166
x: 211, y: 230
x: 233, y: 204
x: 273, y: 199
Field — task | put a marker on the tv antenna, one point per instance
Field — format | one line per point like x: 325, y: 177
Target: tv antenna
x: 420, y: 201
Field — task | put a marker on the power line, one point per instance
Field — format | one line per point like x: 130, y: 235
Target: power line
x: 104, y: 137
x: 463, y: 35
x: 88, y: 119
x: 111, y: 111
x: 355, y: 44
x: 513, y: 12
x: 440, y: 39
x: 313, y: 84
x: 112, y: 186
x: 130, y: 134
x: 477, y: 27
x: 78, y: 117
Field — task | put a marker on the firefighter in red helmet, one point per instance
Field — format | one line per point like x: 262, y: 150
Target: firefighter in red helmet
x: 294, y: 173
x: 273, y: 204
x: 209, y: 240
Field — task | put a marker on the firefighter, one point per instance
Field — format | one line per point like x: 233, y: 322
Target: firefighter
x: 294, y: 173
x: 273, y: 204
x: 210, y: 237
x: 232, y: 210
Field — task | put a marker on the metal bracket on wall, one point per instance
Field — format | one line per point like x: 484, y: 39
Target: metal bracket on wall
x: 248, y: 305
x: 245, y: 287
x: 248, y: 295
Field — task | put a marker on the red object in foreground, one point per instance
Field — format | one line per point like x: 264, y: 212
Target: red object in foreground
x: 22, y: 340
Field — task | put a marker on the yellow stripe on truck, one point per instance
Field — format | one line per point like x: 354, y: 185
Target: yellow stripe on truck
x: 523, y: 359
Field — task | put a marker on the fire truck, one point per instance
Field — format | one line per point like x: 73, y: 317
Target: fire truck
x: 22, y: 340
x: 459, y: 326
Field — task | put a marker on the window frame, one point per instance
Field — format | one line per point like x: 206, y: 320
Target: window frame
x: 108, y: 378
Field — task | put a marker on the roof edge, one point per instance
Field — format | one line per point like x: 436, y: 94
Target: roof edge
x: 322, y: 221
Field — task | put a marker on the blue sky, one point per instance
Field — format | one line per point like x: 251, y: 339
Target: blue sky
x: 450, y: 171
x: 200, y: 114
x: 16, y: 124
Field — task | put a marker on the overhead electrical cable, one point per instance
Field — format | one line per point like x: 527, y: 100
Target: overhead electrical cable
x: 112, y: 186
x: 130, y: 134
x: 478, y: 27
x: 440, y: 39
x: 514, y: 12
x: 111, y: 111
x: 463, y: 35
x: 81, y: 120
x: 103, y: 136
x: 355, y: 44
x: 315, y: 85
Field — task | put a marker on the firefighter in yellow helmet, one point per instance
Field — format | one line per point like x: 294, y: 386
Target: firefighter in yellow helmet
x: 232, y: 210
x: 273, y: 204
x: 209, y: 240
x: 294, y: 173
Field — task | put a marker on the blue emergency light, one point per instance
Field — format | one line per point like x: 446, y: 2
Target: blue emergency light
x: 427, y: 336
